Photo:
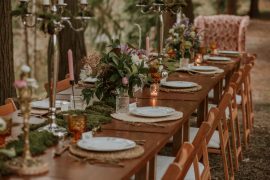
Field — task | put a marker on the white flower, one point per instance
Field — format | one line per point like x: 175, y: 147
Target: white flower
x: 171, y: 31
x: 192, y: 34
x: 135, y: 59
x: 25, y: 69
x: 182, y: 26
x: 32, y: 83
x: 83, y: 75
x: 3, y: 124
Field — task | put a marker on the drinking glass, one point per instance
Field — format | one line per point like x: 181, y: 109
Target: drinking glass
x: 77, y: 102
x: 76, y: 126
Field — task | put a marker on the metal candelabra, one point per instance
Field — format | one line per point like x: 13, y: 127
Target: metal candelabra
x: 53, y: 21
x: 159, y: 7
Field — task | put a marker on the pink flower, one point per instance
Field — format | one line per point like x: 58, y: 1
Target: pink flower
x: 20, y: 84
x: 125, y: 81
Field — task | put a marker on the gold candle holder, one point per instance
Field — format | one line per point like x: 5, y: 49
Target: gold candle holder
x: 26, y: 165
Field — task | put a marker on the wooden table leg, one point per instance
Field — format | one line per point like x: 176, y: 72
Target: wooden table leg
x: 177, y: 141
x: 143, y: 173
x: 186, y: 126
x: 202, y: 112
x: 218, y: 91
x: 152, y: 168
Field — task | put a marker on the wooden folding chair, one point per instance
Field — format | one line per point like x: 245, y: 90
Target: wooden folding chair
x: 163, y: 162
x: 60, y: 86
x: 8, y: 108
x: 218, y: 138
x: 234, y: 124
x: 246, y: 103
x: 186, y: 164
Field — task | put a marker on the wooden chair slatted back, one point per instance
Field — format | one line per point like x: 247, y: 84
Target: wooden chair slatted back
x: 60, y: 86
x: 8, y: 108
x: 190, y: 154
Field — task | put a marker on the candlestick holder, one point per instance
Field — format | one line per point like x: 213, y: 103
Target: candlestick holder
x: 26, y: 165
x: 159, y: 7
x: 53, y: 20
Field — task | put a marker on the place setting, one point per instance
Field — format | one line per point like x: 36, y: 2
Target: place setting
x: 217, y: 59
x: 149, y: 115
x: 180, y: 86
x: 200, y: 70
x: 105, y: 150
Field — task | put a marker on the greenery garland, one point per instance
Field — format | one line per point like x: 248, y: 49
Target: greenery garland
x: 39, y: 142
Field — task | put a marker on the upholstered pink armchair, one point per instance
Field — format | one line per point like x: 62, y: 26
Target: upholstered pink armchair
x: 227, y: 31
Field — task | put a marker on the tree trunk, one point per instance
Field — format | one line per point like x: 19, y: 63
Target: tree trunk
x: 69, y: 39
x: 220, y: 6
x: 188, y: 10
x: 6, y: 53
x: 231, y: 6
x: 254, y: 9
x: 169, y: 20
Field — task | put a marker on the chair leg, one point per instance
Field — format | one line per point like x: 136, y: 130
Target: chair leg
x: 245, y: 128
x: 230, y: 160
x: 235, y: 145
x: 225, y: 164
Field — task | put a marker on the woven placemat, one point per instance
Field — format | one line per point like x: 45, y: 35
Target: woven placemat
x: 130, y: 118
x: 219, y: 62
x: 107, y: 156
x: 184, y: 90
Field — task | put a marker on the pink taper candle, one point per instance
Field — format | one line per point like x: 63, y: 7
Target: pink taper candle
x: 147, y: 46
x: 70, y: 65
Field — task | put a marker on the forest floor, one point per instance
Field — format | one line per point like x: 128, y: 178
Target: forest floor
x: 256, y: 157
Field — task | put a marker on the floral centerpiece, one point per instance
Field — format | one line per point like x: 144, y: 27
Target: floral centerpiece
x: 183, y: 40
x: 90, y: 64
x: 119, y: 71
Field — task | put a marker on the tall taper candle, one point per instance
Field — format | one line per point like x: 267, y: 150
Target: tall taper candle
x: 147, y: 46
x: 70, y: 65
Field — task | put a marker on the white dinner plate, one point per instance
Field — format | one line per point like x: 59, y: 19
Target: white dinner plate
x: 150, y: 111
x: 44, y: 104
x: 228, y: 52
x: 179, y: 84
x: 218, y: 58
x: 203, y: 68
x: 90, y: 80
x: 106, y: 144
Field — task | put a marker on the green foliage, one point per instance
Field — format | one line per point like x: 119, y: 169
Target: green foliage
x: 20, y: 10
x: 119, y: 73
x: 39, y: 142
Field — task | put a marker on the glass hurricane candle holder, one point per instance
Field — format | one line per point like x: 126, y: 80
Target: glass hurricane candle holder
x: 76, y: 126
x: 154, y: 89
x: 198, y: 59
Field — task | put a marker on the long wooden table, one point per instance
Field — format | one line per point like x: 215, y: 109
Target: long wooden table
x: 65, y: 167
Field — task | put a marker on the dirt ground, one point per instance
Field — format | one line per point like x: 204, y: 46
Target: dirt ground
x: 256, y: 158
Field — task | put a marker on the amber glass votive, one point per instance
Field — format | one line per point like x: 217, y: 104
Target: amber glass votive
x: 76, y: 126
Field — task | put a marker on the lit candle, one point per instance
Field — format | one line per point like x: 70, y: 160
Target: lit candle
x: 154, y: 102
x: 84, y: 2
x: 46, y: 2
x: 154, y: 88
x: 70, y: 65
x: 60, y: 1
x: 198, y: 59
x: 147, y: 46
